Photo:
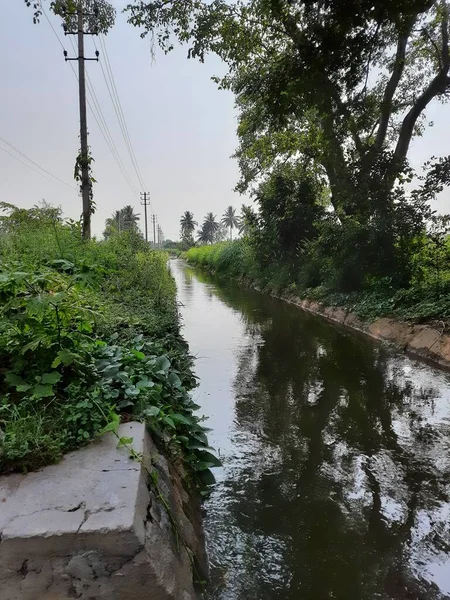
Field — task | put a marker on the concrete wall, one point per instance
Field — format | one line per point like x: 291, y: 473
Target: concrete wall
x: 93, y: 528
x: 431, y: 343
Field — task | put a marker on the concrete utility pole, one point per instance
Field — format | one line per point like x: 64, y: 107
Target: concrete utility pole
x: 83, y: 159
x: 145, y: 204
x: 154, y: 230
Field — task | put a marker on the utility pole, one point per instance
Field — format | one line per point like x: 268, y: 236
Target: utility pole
x: 83, y: 159
x: 145, y: 204
x: 154, y: 230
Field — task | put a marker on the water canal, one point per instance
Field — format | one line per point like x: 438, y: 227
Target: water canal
x: 335, y: 450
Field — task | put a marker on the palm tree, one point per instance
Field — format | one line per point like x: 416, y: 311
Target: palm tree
x: 203, y: 235
x: 245, y: 218
x: 112, y: 225
x: 209, y: 228
x: 230, y: 219
x: 188, y: 224
x: 128, y: 219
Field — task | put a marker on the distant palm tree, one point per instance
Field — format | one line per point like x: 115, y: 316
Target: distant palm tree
x: 230, y: 219
x: 128, y: 219
x: 211, y: 226
x: 244, y: 219
x: 188, y: 224
x: 208, y: 230
x: 112, y: 225
x: 203, y: 235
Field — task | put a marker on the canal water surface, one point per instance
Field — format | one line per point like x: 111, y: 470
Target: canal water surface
x: 336, y: 453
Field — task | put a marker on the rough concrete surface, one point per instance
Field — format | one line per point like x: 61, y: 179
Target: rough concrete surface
x: 90, y: 527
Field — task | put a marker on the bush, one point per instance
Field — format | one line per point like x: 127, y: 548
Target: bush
x: 89, y: 332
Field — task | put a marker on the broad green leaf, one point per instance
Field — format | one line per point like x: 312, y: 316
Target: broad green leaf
x: 13, y: 379
x: 179, y: 418
x: 152, y: 411
x: 42, y: 390
x: 209, y: 458
x: 51, y: 378
x: 137, y: 354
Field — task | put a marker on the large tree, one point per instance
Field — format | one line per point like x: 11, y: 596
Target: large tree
x: 343, y: 85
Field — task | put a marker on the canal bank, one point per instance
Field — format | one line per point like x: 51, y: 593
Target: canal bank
x: 335, y: 453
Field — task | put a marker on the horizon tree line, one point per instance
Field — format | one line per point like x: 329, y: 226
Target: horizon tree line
x: 211, y: 230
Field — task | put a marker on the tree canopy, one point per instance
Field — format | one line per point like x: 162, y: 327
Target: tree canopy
x: 342, y: 85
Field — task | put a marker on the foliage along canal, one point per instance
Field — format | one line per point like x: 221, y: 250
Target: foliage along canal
x: 335, y: 451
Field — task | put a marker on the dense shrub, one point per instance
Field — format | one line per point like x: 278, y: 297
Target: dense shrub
x: 89, y: 332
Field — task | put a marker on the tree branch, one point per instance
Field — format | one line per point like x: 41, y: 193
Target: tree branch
x: 438, y: 85
x: 391, y: 87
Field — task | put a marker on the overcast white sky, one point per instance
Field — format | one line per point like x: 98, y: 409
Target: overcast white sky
x: 182, y: 128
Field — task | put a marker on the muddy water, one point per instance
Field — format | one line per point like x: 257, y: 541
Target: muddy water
x: 335, y: 449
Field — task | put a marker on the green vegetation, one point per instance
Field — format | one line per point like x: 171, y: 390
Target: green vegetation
x: 329, y: 99
x: 425, y: 299
x: 88, y: 333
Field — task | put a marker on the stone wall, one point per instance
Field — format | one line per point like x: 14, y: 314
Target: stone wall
x: 92, y: 527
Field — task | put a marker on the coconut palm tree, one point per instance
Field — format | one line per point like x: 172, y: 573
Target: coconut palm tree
x: 188, y: 224
x: 211, y: 226
x: 112, y: 225
x: 230, y: 219
x: 128, y: 219
x: 245, y: 218
x: 208, y: 230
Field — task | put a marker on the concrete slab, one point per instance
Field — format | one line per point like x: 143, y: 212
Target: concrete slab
x: 71, y: 503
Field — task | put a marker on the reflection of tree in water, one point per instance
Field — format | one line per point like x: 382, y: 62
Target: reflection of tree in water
x: 338, y: 467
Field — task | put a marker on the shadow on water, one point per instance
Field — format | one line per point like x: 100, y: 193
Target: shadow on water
x: 336, y: 470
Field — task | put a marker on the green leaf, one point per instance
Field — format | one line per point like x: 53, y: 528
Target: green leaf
x: 113, y: 425
x: 65, y: 357
x: 125, y: 441
x: 179, y: 418
x: 43, y: 390
x: 169, y: 421
x: 152, y: 411
x: 162, y: 364
x: 174, y: 380
x: 137, y: 354
x: 24, y: 387
x: 13, y: 379
x: 51, y: 378
x: 145, y: 382
x: 209, y: 458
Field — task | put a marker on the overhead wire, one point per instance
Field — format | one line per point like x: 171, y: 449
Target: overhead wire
x: 117, y: 105
x: 42, y: 173
x: 100, y: 119
x: 35, y: 164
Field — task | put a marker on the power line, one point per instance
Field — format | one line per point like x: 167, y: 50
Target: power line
x: 115, y: 99
x: 35, y: 170
x: 36, y: 164
x: 104, y: 130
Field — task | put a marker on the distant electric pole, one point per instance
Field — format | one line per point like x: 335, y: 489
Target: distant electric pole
x: 86, y: 189
x: 145, y: 204
x: 154, y: 230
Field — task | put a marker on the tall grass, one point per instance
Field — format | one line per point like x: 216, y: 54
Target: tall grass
x: 229, y: 258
